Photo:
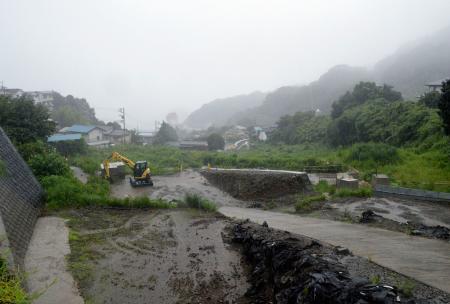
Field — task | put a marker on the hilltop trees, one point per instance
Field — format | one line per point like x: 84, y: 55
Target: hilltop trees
x: 23, y: 121
x: 444, y: 106
x: 361, y: 93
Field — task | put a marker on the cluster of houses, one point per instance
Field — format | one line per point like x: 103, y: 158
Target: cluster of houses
x: 95, y: 136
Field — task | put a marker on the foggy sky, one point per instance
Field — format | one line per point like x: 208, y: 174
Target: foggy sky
x: 154, y: 57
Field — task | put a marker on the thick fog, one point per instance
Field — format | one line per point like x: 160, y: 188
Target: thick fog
x: 154, y: 57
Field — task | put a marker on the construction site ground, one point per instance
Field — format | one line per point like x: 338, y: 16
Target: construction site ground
x: 183, y: 256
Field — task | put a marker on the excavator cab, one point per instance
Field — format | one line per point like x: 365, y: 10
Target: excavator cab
x: 139, y: 168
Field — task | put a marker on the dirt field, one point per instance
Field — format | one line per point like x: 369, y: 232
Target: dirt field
x: 139, y: 256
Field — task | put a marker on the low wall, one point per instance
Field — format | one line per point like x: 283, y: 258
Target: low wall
x: 382, y: 190
x: 250, y: 184
x: 20, y: 202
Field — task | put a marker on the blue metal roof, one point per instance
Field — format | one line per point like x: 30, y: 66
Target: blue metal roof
x: 64, y: 137
x: 80, y: 129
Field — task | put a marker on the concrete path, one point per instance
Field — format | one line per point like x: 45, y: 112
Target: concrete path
x: 425, y: 260
x: 45, y: 263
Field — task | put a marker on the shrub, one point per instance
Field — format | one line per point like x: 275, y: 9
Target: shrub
x: 305, y: 204
x: 197, y: 202
x: 48, y: 164
x: 346, y: 192
x: 215, y: 142
x: 10, y: 287
x: 324, y: 187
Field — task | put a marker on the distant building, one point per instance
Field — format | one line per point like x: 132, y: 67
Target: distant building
x: 118, y: 136
x: 15, y: 93
x: 91, y: 134
x: 436, y: 85
x: 146, y: 138
x: 64, y: 137
x: 189, y: 145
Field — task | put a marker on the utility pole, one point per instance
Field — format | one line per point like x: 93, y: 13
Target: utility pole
x: 122, y: 116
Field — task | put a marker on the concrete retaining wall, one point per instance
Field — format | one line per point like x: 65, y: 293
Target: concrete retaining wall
x: 250, y: 184
x: 381, y: 190
x: 20, y: 202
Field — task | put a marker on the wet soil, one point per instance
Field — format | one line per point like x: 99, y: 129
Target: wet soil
x: 175, y: 187
x: 145, y: 256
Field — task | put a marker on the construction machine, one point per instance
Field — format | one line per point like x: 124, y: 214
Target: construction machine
x: 141, y: 171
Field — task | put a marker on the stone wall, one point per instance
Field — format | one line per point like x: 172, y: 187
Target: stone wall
x: 20, y: 202
x: 251, y: 184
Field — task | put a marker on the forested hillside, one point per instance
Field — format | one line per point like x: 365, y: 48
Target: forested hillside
x: 70, y: 110
x: 408, y: 70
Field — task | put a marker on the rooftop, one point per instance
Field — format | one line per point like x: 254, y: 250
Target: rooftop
x: 64, y: 137
x: 437, y: 83
x: 80, y: 129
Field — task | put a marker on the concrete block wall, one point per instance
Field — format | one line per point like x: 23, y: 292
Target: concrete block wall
x: 20, y: 201
x: 248, y: 184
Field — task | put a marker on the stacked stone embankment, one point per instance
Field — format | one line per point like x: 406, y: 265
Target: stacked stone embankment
x: 20, y: 203
x: 248, y: 184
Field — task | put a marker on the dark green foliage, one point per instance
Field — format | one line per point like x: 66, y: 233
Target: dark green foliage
x: 397, y: 123
x: 50, y: 163
x: 430, y: 99
x: 361, y: 93
x: 197, y: 202
x: 323, y: 187
x: 165, y: 134
x: 24, y: 121
x: 301, y: 128
x: 377, y: 153
x: 71, y: 147
x: 444, y: 106
x: 31, y: 149
x: 215, y: 142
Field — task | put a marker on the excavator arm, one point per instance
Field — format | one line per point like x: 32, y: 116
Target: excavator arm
x: 116, y: 157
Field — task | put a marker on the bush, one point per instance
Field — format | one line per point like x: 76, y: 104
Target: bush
x: 197, y: 202
x: 11, y: 287
x: 306, y: 204
x: 361, y: 192
x: 71, y: 147
x: 215, y: 142
x: 48, y: 164
x: 324, y: 187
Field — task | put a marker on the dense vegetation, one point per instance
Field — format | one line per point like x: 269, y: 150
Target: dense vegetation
x: 23, y: 121
x: 166, y: 133
x: 11, y: 290
x: 70, y: 110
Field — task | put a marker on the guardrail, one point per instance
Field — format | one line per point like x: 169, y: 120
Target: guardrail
x: 413, y: 193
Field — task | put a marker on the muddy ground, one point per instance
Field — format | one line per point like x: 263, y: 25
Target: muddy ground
x: 147, y: 256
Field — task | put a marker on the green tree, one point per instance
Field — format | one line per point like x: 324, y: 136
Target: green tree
x: 215, y: 142
x: 430, y: 99
x: 47, y: 164
x: 71, y: 147
x: 361, y: 93
x: 165, y: 134
x: 444, y: 106
x: 24, y: 121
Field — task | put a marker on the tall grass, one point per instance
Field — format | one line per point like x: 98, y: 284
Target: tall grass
x: 197, y: 202
x: 11, y: 290
x: 63, y: 192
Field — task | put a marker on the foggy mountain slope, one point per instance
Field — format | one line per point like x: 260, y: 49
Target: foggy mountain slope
x: 319, y: 94
x: 70, y: 110
x: 417, y: 63
x: 219, y: 111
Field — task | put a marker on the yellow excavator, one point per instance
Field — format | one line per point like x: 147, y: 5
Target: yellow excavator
x: 141, y: 171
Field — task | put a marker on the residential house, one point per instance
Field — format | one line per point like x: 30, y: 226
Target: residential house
x: 436, y: 85
x: 119, y: 136
x: 93, y: 135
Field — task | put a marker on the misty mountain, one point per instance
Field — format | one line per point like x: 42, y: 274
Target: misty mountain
x: 219, y: 111
x: 413, y: 65
x: 319, y: 94
x: 408, y: 70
